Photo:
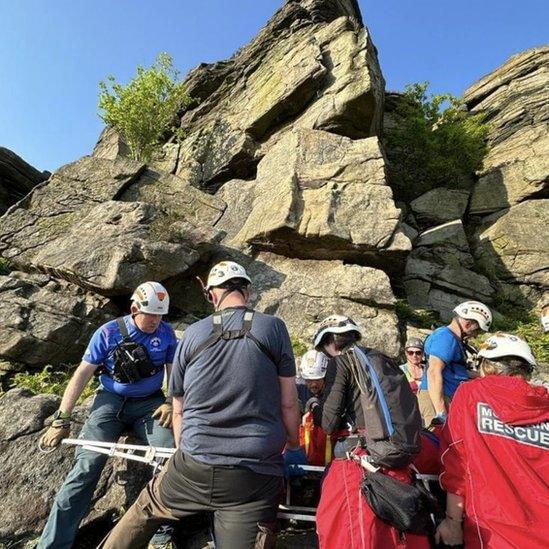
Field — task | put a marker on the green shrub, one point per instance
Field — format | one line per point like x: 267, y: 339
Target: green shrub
x: 50, y: 381
x: 420, y: 318
x: 145, y: 109
x: 4, y: 266
x: 298, y: 346
x: 434, y: 142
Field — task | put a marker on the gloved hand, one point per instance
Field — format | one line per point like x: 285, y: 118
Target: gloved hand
x: 164, y: 415
x: 292, y: 459
x: 312, y: 403
x: 439, y: 419
x: 59, y: 429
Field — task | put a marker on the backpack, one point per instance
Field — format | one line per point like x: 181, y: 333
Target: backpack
x: 220, y: 334
x: 391, y: 412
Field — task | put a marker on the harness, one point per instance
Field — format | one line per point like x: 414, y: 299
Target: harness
x: 220, y: 334
x: 132, y: 362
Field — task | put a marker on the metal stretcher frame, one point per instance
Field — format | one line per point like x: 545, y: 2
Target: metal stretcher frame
x: 156, y: 457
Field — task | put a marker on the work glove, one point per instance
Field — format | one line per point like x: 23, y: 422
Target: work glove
x: 58, y: 430
x: 312, y: 403
x: 164, y: 415
x: 292, y: 460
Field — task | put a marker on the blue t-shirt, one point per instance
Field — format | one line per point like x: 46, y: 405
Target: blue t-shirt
x: 232, y: 411
x: 444, y: 344
x: 160, y: 345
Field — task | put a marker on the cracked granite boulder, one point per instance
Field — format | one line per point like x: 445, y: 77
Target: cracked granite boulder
x: 47, y: 321
x: 514, y: 100
x: 513, y: 249
x: 332, y: 202
x: 108, y: 225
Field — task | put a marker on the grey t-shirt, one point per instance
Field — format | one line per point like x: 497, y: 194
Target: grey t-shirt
x: 232, y: 413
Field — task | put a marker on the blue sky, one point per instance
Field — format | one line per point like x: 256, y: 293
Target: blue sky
x: 53, y: 53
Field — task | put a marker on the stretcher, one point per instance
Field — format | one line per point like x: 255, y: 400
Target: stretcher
x: 156, y: 457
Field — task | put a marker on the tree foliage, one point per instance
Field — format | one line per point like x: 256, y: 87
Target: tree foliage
x: 146, y: 108
x: 433, y: 142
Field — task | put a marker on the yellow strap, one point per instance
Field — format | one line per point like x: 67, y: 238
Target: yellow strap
x: 328, y: 451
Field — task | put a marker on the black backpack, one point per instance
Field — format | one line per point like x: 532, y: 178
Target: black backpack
x: 391, y: 412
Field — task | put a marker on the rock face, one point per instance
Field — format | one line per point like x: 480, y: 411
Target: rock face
x: 514, y: 99
x: 439, y: 206
x: 313, y: 66
x: 17, y: 178
x: 31, y: 479
x: 108, y: 225
x: 332, y: 201
x: 304, y: 292
x: 514, y: 250
x: 509, y: 201
x: 47, y: 321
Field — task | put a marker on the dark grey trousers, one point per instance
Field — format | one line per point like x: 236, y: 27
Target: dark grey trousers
x: 244, y: 505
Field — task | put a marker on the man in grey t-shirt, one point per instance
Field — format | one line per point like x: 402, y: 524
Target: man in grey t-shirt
x: 235, y: 411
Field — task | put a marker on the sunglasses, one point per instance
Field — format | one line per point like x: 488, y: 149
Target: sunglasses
x: 417, y: 353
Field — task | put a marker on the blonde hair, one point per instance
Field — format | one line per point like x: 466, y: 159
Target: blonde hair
x: 507, y: 366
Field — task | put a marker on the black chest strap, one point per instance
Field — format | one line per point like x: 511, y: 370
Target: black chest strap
x: 220, y: 334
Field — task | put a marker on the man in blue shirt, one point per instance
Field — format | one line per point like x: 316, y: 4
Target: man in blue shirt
x: 235, y: 411
x: 446, y: 359
x: 130, y: 397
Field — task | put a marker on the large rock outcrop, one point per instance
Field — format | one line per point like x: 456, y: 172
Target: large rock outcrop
x: 513, y: 249
x: 47, y: 321
x: 108, y: 225
x: 17, y: 178
x: 514, y: 100
x: 312, y: 66
x: 323, y: 196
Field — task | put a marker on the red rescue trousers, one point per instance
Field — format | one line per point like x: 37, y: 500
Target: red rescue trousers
x: 344, y: 519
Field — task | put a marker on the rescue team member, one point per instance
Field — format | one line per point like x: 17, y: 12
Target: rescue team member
x: 316, y: 445
x: 496, y: 454
x: 235, y: 408
x: 413, y: 367
x: 130, y: 396
x: 446, y: 359
x: 344, y: 518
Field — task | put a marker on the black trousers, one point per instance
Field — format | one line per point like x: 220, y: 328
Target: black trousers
x: 244, y: 505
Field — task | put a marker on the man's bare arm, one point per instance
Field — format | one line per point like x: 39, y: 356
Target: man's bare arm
x: 177, y: 419
x: 290, y: 410
x: 435, y: 384
x: 78, y: 382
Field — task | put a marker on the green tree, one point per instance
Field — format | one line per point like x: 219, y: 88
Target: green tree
x: 433, y: 142
x: 146, y: 108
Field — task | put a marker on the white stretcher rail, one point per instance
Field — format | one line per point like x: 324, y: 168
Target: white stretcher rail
x: 157, y: 456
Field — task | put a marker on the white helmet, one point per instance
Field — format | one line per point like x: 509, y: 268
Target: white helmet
x: 545, y: 317
x: 506, y: 345
x: 224, y: 271
x: 335, y: 324
x: 152, y: 298
x: 475, y: 310
x: 313, y: 365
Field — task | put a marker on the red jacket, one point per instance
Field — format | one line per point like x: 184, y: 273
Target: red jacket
x: 495, y: 448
